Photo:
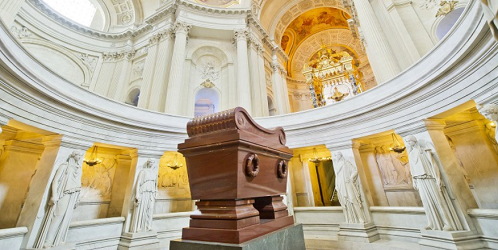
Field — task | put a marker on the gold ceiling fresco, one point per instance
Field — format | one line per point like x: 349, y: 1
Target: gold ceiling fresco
x: 218, y: 3
x: 312, y: 22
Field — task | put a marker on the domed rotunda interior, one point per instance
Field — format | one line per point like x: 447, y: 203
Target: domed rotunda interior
x: 389, y: 106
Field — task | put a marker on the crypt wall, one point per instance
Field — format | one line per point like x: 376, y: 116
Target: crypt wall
x: 443, y: 88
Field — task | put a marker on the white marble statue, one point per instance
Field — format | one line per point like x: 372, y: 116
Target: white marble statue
x: 64, y: 195
x: 348, y: 189
x: 490, y: 111
x: 144, y: 198
x: 439, y: 209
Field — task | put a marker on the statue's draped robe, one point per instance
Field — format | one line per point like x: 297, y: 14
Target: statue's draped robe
x: 146, y: 191
x: 437, y: 203
x: 56, y: 223
x: 348, y: 191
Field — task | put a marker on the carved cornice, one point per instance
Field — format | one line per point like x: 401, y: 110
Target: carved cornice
x: 116, y: 56
x: 213, y: 10
x: 155, y: 38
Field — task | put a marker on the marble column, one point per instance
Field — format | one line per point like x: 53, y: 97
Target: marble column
x: 429, y: 139
x: 148, y: 74
x: 358, y: 225
x: 243, y: 84
x: 257, y: 98
x: 277, y: 88
x: 159, y: 85
x: 123, y: 78
x: 56, y: 151
x: 410, y: 27
x: 139, y: 240
x: 175, y: 82
x: 262, y: 82
x: 9, y: 10
x: 105, y: 76
x: 379, y: 53
x: 285, y: 91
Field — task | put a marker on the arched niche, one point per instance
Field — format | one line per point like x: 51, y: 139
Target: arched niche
x: 207, y: 101
x: 443, y: 25
x: 208, y: 67
x: 132, y: 97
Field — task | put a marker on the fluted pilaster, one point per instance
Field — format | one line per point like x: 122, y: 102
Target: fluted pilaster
x: 243, y: 87
x: 379, y: 53
x: 173, y: 101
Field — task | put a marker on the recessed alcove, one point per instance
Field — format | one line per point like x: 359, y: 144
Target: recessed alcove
x: 173, y: 186
x: 106, y: 170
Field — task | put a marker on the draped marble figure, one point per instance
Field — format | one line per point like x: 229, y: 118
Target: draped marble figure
x: 348, y: 189
x: 144, y: 198
x: 64, y: 195
x: 439, y: 209
x: 490, y: 111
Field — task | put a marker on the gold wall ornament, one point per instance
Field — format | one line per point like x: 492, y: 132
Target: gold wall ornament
x: 94, y: 160
x: 207, y: 84
x: 326, y: 70
x: 446, y: 7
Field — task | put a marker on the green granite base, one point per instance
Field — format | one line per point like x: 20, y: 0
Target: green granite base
x: 289, y: 238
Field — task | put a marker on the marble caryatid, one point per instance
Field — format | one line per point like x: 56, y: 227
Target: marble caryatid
x: 424, y: 166
x: 348, y: 189
x: 490, y: 111
x: 64, y: 196
x: 144, y: 198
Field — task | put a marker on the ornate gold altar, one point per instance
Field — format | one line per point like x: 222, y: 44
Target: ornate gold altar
x: 332, y: 77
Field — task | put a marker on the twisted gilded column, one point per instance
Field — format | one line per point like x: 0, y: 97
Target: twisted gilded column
x: 173, y: 101
x: 243, y: 87
x: 379, y: 53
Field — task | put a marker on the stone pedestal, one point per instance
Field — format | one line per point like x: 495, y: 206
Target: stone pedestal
x: 286, y: 238
x: 142, y: 240
x: 358, y: 232
x: 449, y: 240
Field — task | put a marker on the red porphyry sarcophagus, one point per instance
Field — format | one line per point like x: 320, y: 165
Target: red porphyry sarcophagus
x: 237, y: 170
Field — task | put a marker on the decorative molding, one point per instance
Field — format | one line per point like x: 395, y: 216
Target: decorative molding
x: 446, y: 7
x: 207, y: 84
x: 22, y: 32
x: 89, y: 61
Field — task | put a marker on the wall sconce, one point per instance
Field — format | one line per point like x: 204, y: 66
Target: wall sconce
x: 396, y: 145
x: 93, y: 158
x: 175, y: 166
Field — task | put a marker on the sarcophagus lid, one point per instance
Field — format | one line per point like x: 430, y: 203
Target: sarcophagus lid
x: 229, y: 156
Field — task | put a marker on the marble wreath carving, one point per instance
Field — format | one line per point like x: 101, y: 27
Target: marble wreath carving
x: 439, y: 209
x: 348, y: 189
x: 144, y: 198
x: 65, y: 192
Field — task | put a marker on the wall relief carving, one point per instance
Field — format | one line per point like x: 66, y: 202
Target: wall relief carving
x: 394, y: 168
x: 97, y: 181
